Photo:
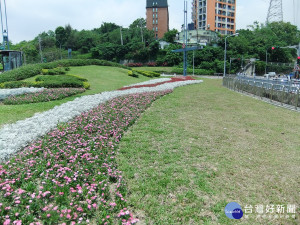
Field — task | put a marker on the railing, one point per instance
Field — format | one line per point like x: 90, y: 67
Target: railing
x: 284, y: 92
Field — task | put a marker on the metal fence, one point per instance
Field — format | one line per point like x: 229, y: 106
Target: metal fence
x: 282, y: 91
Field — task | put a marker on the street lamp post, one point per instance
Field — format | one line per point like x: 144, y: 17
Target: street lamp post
x: 266, y: 61
x: 225, y: 52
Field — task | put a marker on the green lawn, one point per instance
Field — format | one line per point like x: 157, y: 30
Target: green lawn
x: 101, y: 79
x: 204, y: 146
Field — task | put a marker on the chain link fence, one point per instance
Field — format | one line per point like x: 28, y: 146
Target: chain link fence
x: 279, y: 90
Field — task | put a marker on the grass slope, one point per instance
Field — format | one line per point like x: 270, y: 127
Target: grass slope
x: 204, y: 146
x: 101, y: 78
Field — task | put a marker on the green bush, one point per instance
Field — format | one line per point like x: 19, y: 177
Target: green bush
x: 147, y: 73
x: 55, y: 81
x: 132, y: 73
x: 86, y: 85
x: 45, y: 71
x: 21, y: 73
x: 78, y: 77
x: 49, y: 78
x: 60, y: 84
x: 50, y: 81
x: 16, y: 84
x: 56, y: 71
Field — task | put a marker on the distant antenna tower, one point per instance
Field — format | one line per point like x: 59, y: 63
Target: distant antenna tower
x: 275, y: 13
x: 4, y: 25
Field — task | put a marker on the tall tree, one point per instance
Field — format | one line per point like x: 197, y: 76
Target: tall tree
x: 170, y: 35
x: 61, y: 36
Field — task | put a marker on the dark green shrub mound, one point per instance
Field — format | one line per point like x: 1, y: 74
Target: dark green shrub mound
x: 55, y: 71
x: 133, y: 74
x: 28, y: 71
x: 50, y: 81
x: 57, y: 81
x: 21, y: 73
x: 78, y: 77
x: 17, y: 84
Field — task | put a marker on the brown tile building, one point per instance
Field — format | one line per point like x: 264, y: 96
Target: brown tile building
x: 157, y: 17
x: 215, y: 15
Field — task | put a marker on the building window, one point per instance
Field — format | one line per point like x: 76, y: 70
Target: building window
x: 156, y: 21
x: 153, y: 16
x: 153, y: 9
x: 156, y: 9
x: 156, y: 29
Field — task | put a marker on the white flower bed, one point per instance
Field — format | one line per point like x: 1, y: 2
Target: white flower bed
x: 150, y: 82
x: 5, y: 93
x: 16, y: 136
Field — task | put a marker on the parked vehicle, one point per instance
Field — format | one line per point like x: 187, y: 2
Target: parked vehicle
x: 270, y: 75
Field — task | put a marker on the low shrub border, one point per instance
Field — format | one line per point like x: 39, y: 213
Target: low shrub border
x: 45, y: 95
x: 146, y: 73
x: 50, y: 81
x: 55, y: 71
x: 132, y: 74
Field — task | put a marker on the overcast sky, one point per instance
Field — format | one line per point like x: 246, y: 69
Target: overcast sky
x: 28, y: 18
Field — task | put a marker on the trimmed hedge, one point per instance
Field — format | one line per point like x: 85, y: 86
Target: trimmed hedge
x: 132, y: 74
x: 28, y: 71
x: 190, y: 71
x: 56, y: 81
x: 147, y: 73
x: 17, y: 84
x: 55, y: 71
x: 78, y: 77
x: 50, y: 81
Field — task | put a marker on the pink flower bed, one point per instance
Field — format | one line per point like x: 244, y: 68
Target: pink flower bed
x: 173, y: 79
x: 70, y: 176
x: 45, y: 95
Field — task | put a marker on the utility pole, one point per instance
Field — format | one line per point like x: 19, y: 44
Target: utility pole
x: 40, y: 45
x: 185, y: 39
x: 266, y: 61
x: 121, y: 36
x: 141, y: 26
x: 193, y: 63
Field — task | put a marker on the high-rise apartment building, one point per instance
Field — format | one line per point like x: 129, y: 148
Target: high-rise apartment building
x: 157, y: 14
x: 215, y: 15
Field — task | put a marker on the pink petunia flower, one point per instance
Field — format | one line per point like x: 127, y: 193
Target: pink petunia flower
x: 6, y: 222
